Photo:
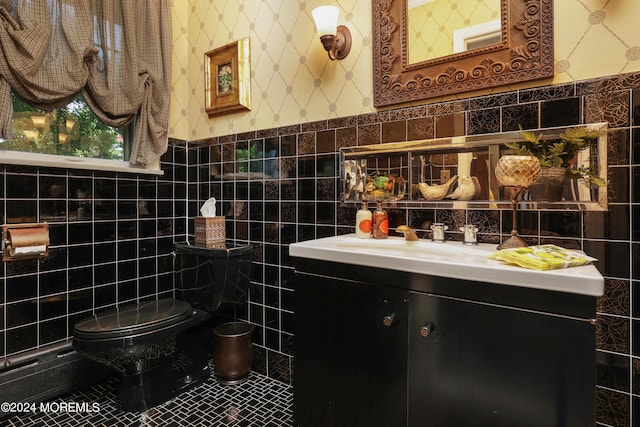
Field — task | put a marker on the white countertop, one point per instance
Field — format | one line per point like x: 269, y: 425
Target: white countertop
x: 450, y: 259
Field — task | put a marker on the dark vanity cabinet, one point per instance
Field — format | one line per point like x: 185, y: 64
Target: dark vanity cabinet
x: 350, y: 353
x: 376, y: 347
x: 492, y: 366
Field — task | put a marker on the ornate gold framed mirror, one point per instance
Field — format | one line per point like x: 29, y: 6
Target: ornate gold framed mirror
x: 511, y: 43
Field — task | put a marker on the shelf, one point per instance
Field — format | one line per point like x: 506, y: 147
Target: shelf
x: 434, y: 161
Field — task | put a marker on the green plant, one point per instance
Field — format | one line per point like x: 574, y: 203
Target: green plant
x: 225, y: 77
x: 561, y: 151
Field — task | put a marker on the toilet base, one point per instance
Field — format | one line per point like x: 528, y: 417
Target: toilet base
x: 188, y: 368
x: 142, y: 391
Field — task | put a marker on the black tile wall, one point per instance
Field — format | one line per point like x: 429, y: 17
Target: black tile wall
x: 280, y: 196
x: 111, y: 242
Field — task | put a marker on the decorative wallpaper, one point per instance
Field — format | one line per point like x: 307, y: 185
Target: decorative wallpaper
x: 181, y: 90
x: 294, y: 82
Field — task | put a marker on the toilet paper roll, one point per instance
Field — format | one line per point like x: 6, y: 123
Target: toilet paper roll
x: 28, y: 237
x: 25, y: 241
x: 28, y: 250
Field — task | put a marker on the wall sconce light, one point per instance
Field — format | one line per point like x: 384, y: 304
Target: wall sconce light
x: 335, y: 38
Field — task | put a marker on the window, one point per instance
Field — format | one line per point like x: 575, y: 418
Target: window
x: 71, y: 137
x: 118, y: 59
x: 72, y: 130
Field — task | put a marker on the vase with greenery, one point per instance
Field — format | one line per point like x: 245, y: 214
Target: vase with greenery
x: 557, y: 159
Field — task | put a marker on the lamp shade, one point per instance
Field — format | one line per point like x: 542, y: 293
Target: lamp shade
x: 326, y: 18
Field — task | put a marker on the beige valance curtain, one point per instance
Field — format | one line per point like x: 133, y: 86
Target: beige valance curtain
x: 116, y: 52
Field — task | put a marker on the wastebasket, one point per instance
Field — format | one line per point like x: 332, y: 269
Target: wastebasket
x: 232, y: 354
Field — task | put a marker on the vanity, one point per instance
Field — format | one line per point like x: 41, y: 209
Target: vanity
x: 398, y: 333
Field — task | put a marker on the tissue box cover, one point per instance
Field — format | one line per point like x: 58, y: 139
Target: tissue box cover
x: 209, y: 231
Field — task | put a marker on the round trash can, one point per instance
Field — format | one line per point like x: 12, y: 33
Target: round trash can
x: 232, y: 354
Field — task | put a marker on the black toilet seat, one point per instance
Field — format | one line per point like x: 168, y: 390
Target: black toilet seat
x: 133, y: 319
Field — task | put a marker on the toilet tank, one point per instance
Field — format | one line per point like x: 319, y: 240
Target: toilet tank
x: 209, y: 277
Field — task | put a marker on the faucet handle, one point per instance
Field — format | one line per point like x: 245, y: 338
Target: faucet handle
x: 470, y: 236
x: 438, y: 230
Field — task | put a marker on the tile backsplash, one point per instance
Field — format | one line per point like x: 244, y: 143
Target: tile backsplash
x: 112, y: 233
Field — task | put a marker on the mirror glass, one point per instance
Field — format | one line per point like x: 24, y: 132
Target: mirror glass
x: 437, y: 28
x: 428, y: 173
x: 500, y: 43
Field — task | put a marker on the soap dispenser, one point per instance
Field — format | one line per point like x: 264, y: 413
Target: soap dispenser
x: 380, y: 223
x: 363, y: 222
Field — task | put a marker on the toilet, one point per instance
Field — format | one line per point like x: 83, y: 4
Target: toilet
x: 160, y: 348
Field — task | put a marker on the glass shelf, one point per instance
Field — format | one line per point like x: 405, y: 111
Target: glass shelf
x: 435, y: 161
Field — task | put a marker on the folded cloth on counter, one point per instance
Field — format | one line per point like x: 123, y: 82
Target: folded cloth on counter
x: 542, y: 257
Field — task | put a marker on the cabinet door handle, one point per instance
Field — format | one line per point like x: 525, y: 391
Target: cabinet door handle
x: 388, y: 320
x: 427, y: 330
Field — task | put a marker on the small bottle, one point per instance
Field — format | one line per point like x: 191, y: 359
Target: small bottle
x: 380, y: 223
x: 363, y: 222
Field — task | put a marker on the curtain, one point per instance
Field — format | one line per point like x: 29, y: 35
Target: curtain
x: 117, y: 53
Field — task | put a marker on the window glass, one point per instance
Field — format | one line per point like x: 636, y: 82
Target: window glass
x: 72, y: 130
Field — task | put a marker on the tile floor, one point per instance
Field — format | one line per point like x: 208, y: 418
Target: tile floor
x: 258, y: 402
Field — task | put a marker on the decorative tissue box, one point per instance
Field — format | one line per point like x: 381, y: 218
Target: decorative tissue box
x: 210, y: 231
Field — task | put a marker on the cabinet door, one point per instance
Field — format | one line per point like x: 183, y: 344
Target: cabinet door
x: 350, y: 354
x: 490, y: 366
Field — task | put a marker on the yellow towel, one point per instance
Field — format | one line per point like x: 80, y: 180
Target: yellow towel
x: 542, y: 257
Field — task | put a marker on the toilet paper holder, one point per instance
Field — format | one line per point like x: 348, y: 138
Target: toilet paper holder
x: 25, y: 241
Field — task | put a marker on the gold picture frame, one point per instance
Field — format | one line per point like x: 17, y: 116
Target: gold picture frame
x: 227, y: 72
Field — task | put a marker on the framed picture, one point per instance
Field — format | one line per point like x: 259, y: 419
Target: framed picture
x: 227, y: 73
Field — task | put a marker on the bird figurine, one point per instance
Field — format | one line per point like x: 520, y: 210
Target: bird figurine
x: 468, y: 188
x: 436, y: 192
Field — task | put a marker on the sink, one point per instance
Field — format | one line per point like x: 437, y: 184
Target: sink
x: 418, y: 249
x: 450, y: 259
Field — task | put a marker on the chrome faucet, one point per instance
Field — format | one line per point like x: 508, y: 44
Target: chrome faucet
x: 408, y: 232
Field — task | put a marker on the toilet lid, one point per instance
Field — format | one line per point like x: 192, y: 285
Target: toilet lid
x: 133, y: 319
